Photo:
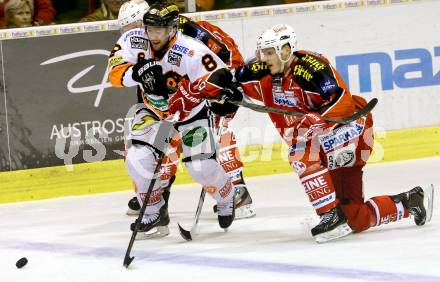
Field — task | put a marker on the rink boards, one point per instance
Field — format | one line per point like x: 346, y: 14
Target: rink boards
x: 109, y: 176
x: 66, y: 87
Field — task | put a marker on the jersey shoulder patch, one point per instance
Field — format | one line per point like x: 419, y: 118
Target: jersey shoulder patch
x: 252, y: 71
x: 312, y: 61
x: 134, y: 39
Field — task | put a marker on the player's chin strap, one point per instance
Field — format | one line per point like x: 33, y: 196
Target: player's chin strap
x: 285, y: 63
x: 265, y: 109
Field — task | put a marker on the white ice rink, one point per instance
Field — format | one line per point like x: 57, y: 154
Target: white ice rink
x: 85, y: 238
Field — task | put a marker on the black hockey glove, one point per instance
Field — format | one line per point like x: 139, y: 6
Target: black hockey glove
x: 229, y: 93
x: 222, y: 109
x: 232, y: 92
x: 149, y: 74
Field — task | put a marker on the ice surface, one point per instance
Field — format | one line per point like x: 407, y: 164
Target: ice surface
x: 85, y: 238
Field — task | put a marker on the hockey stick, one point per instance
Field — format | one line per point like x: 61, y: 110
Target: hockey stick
x: 163, y: 134
x: 189, y: 234
x: 265, y: 109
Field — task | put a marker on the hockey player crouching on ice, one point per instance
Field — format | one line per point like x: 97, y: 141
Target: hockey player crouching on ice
x: 327, y: 157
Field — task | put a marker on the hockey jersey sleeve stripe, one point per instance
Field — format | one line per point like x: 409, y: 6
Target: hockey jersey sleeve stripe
x: 116, y: 74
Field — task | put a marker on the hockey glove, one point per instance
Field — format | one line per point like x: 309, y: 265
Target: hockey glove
x: 232, y: 92
x: 184, y: 100
x: 310, y: 125
x: 148, y: 73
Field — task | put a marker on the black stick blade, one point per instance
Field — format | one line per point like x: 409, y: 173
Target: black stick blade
x: 185, y: 233
x: 127, y: 261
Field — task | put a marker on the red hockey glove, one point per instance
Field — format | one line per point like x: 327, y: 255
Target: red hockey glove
x: 310, y: 125
x: 184, y: 100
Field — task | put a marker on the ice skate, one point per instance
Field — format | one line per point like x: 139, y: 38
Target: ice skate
x: 226, y: 213
x: 333, y: 225
x: 153, y: 226
x: 419, y: 203
x: 243, y: 206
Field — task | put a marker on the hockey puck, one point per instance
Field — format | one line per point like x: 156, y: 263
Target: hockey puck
x: 21, y: 262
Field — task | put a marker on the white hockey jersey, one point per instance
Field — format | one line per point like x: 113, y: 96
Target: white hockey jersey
x: 186, y: 59
x: 131, y: 46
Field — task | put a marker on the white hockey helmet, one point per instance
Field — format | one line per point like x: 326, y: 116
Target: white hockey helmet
x: 131, y: 12
x: 276, y: 37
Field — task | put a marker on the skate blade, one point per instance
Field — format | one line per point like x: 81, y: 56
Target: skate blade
x: 246, y: 211
x: 429, y: 201
x: 131, y: 212
x: 160, y: 232
x: 339, y: 232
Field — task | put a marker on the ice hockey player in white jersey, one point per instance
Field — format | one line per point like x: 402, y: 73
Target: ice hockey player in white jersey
x: 227, y: 50
x: 129, y: 48
x: 170, y: 59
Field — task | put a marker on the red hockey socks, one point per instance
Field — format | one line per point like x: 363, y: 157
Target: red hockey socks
x: 319, y: 187
x: 385, y: 210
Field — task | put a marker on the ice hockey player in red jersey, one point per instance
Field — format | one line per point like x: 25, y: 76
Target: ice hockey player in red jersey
x: 328, y: 157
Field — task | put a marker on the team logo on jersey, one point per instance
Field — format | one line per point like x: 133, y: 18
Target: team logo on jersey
x: 313, y: 62
x: 200, y: 35
x: 115, y: 61
x: 285, y: 99
x: 181, y: 49
x: 258, y: 66
x: 341, y: 135
x: 141, y: 122
x: 328, y: 86
x: 133, y: 32
x: 301, y: 71
x: 138, y: 42
x: 345, y: 157
x: 174, y: 58
x: 194, y: 137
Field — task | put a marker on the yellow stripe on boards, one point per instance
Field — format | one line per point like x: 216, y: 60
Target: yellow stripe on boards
x: 110, y: 176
